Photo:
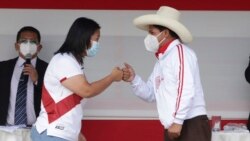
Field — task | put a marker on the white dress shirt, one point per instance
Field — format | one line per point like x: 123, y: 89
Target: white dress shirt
x: 31, y: 116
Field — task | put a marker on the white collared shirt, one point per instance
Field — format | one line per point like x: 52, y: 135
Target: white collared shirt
x: 31, y: 116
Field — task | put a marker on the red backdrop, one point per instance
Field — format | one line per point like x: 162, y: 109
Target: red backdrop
x: 128, y: 130
x: 128, y: 4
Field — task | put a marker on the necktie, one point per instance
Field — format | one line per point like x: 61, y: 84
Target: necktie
x: 20, y: 107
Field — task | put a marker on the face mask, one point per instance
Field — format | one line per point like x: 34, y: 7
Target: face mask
x: 151, y: 42
x: 92, y: 51
x: 28, y: 48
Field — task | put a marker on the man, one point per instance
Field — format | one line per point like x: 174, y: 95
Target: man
x: 247, y: 76
x: 28, y: 46
x: 175, y: 82
x: 247, y: 72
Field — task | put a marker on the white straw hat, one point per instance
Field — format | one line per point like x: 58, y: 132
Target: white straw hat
x: 167, y: 17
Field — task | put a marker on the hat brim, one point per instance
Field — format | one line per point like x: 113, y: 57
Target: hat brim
x: 144, y: 21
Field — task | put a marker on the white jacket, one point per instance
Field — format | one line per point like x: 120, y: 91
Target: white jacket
x: 174, y: 84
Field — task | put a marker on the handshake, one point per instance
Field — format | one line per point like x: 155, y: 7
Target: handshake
x: 126, y: 74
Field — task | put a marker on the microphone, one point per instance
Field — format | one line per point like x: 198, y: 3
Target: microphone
x: 28, y: 58
x: 27, y: 61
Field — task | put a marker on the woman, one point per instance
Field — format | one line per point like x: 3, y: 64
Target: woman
x: 65, y: 84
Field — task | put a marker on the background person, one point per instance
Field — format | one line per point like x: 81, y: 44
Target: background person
x: 247, y: 76
x: 27, y: 43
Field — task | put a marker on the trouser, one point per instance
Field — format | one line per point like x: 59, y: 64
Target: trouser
x: 195, y: 129
x: 35, y: 136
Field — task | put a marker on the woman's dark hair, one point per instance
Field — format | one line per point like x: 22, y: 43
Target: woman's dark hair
x: 30, y: 29
x: 172, y: 33
x: 78, y: 37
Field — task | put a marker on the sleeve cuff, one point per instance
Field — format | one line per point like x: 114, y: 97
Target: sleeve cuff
x: 178, y: 121
x: 135, y: 81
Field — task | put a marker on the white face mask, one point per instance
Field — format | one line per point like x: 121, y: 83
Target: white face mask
x: 28, y: 48
x: 92, y: 51
x: 151, y: 42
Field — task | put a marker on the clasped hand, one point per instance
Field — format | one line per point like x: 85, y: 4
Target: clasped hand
x: 126, y: 74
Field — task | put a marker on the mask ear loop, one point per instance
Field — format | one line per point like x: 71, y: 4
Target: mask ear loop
x: 162, y: 40
x: 158, y: 36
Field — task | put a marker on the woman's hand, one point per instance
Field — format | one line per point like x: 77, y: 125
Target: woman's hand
x: 117, y: 74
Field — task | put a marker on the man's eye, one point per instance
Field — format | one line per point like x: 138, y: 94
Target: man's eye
x: 23, y: 41
x: 33, y: 42
x: 28, y: 41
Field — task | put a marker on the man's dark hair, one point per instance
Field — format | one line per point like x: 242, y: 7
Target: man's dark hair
x: 30, y: 29
x: 172, y: 33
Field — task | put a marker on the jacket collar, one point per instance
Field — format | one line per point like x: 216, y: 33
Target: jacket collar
x: 166, y: 48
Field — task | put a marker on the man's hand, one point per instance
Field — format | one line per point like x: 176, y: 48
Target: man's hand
x: 128, y: 73
x: 174, y: 131
x: 31, y: 71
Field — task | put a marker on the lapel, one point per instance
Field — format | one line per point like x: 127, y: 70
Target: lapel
x: 7, y: 69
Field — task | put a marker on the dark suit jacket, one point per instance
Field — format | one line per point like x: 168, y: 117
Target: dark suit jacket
x: 6, y: 71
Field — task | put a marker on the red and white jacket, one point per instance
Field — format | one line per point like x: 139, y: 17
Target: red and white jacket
x: 61, y: 111
x: 174, y: 84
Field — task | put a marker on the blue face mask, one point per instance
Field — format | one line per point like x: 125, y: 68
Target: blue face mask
x: 92, y: 51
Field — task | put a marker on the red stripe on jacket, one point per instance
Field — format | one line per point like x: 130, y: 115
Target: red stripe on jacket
x: 181, y: 77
